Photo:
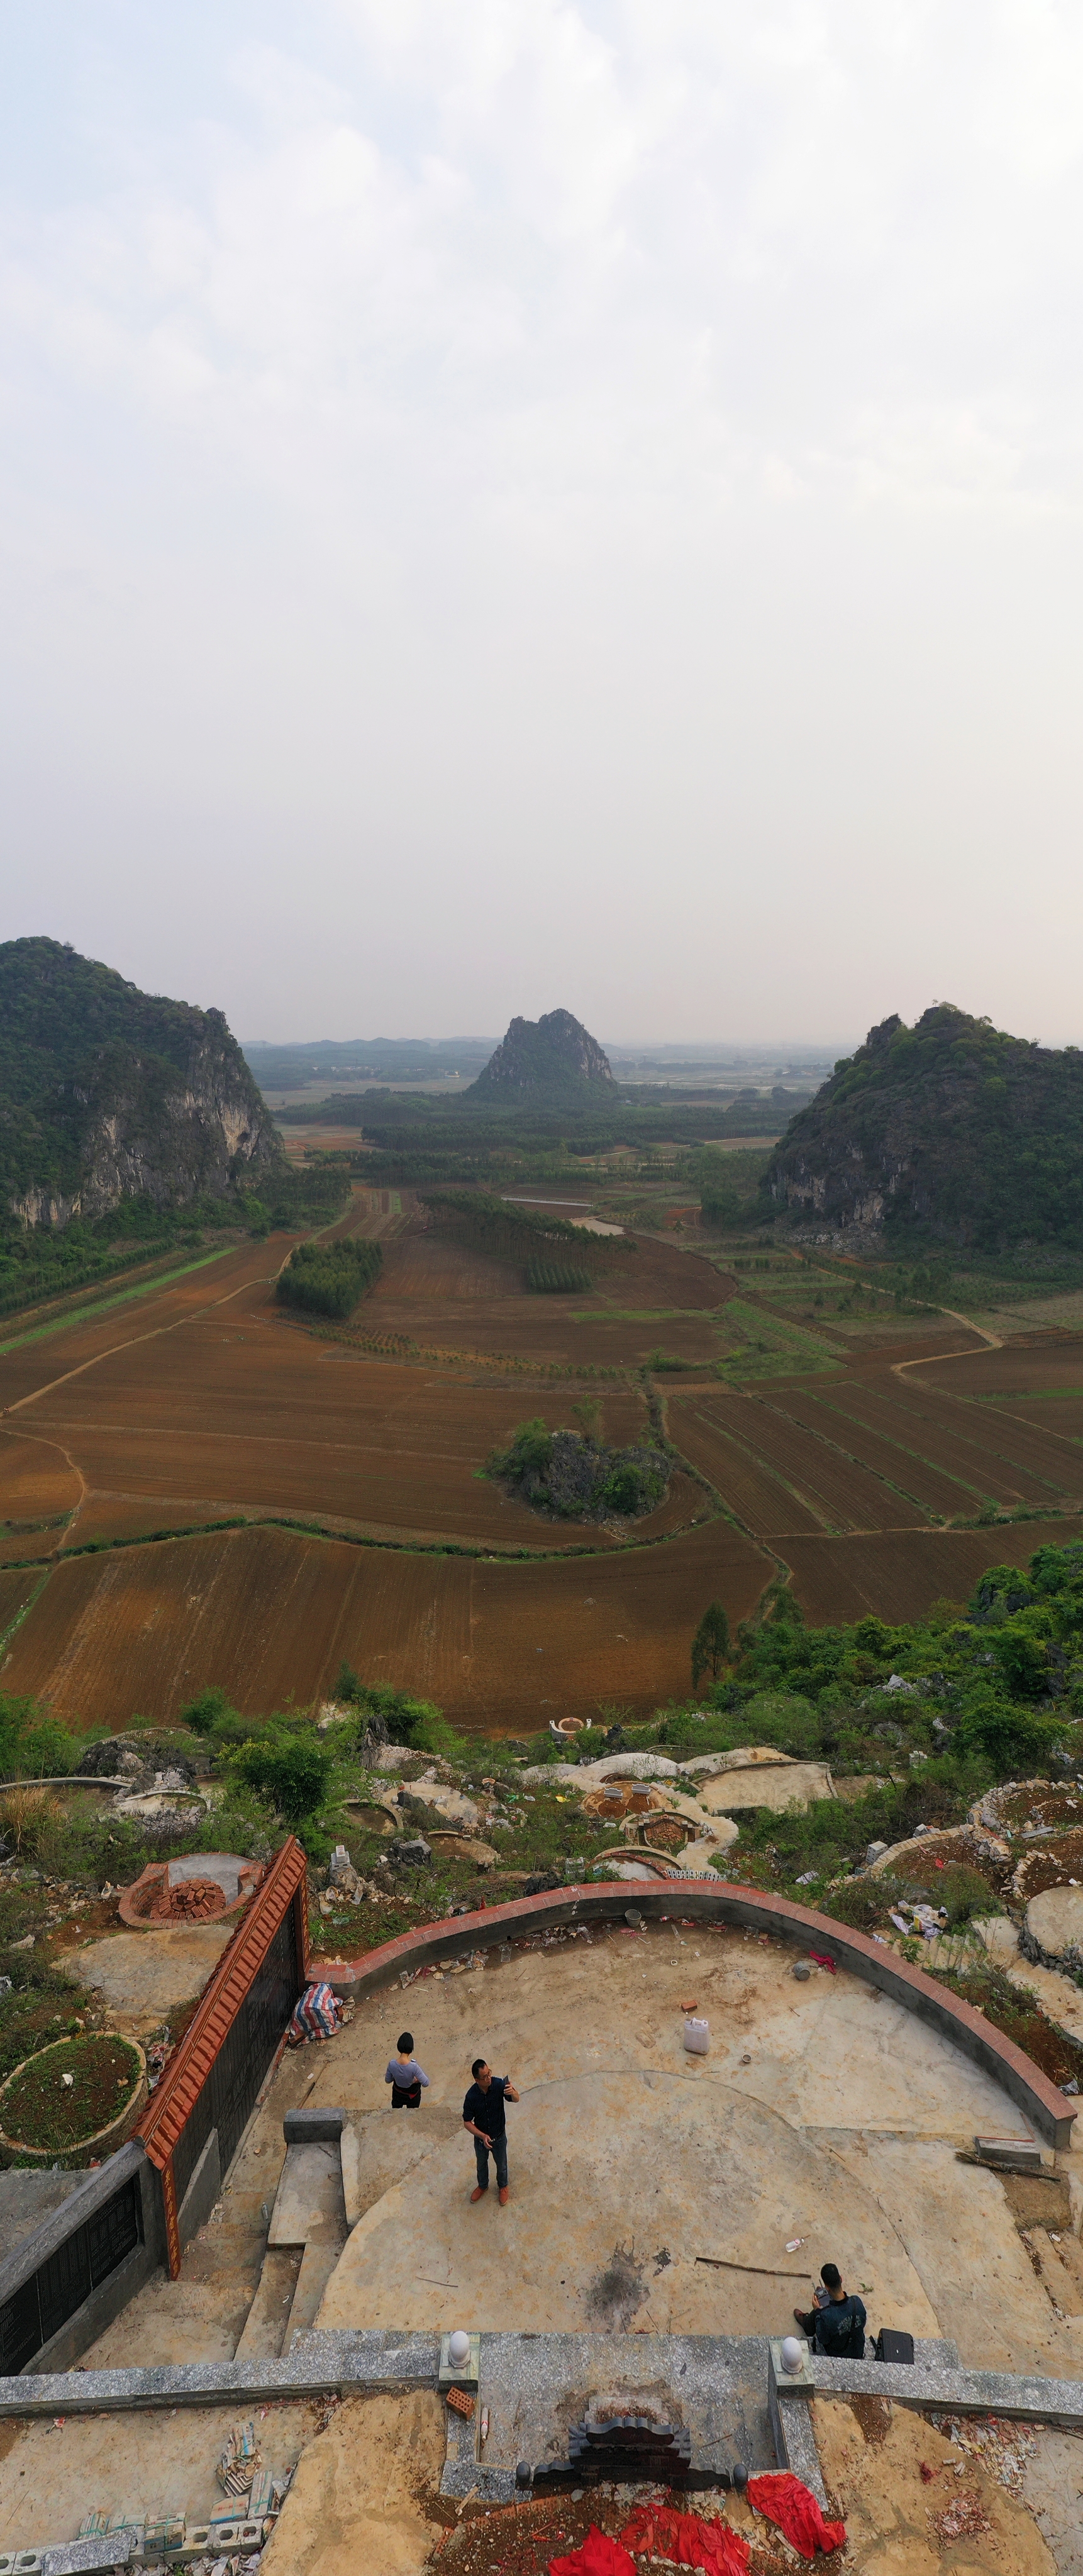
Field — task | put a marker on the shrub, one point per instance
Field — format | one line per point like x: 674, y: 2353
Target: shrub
x: 31, y: 1743
x: 963, y: 1892
x: 1014, y: 1739
x: 1022, y: 1659
x: 291, y: 1770
x: 205, y: 1714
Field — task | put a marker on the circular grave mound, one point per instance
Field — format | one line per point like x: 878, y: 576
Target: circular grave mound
x: 1056, y: 1863
x: 616, y: 1799
x: 77, y: 2093
x: 1053, y: 1930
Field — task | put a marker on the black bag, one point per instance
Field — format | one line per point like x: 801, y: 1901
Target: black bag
x: 892, y: 2346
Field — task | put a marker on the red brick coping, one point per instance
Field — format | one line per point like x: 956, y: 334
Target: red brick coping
x: 1050, y: 2111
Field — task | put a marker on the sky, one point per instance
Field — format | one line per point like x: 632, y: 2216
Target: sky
x: 507, y: 504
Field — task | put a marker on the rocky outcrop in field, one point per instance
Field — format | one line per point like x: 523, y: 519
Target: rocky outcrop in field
x: 554, y: 1058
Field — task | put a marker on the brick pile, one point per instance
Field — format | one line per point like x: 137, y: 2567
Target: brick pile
x: 195, y: 1900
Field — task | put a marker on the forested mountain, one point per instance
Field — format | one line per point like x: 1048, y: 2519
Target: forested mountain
x: 108, y: 1093
x: 951, y: 1127
x: 551, y: 1059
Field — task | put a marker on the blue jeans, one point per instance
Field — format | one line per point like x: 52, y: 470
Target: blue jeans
x: 499, y: 2152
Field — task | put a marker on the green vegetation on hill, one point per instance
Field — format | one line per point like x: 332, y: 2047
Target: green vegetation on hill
x: 551, y: 1059
x: 109, y: 1094
x: 950, y: 1128
x: 329, y: 1278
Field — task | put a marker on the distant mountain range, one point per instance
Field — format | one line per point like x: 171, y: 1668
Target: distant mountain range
x: 108, y: 1093
x: 951, y: 1127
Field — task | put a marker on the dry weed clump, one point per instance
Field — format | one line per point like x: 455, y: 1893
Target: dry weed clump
x: 25, y: 1814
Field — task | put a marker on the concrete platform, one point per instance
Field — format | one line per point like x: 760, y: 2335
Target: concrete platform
x: 143, y: 1976
x: 824, y: 2111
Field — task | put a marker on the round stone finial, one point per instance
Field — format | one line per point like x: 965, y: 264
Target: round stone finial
x: 459, y: 2348
x: 793, y: 2353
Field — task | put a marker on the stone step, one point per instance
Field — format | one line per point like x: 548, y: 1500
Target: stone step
x: 264, y: 2330
x: 320, y: 2257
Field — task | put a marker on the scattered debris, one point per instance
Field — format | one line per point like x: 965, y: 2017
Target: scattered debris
x: 963, y: 2519
x: 1000, y: 2447
x: 239, y: 2461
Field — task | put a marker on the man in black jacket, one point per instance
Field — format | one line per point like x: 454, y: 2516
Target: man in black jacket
x: 835, y: 2324
x: 483, y: 2115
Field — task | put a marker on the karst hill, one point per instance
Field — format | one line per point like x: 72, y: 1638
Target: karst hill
x: 951, y: 1127
x: 108, y: 1093
x: 554, y: 1059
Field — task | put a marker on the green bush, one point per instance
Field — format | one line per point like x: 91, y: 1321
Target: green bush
x: 32, y: 1745
x: 1022, y: 1658
x: 964, y: 1892
x: 291, y: 1770
x: 1013, y: 1738
x: 206, y: 1713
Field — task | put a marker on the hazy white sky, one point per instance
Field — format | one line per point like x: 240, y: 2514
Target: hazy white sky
x: 507, y: 503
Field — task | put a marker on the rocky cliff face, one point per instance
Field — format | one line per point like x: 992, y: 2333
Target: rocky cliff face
x: 548, y: 1059
x: 108, y: 1093
x: 951, y: 1126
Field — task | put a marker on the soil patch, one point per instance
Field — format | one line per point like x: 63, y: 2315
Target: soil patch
x: 41, y: 2110
x: 1009, y: 2010
x: 1057, y: 1863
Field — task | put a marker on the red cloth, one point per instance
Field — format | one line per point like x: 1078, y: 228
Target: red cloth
x: 822, y: 1961
x: 599, y: 2556
x: 660, y: 2532
x: 793, y: 2507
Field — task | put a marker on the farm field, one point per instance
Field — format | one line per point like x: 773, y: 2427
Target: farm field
x: 271, y: 1614
x: 899, y: 1577
x: 203, y: 1402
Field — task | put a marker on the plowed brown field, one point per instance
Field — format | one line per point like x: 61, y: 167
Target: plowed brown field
x: 269, y: 1615
x: 846, y: 1496
x: 1016, y: 1464
x: 1014, y: 1370
x: 36, y: 1479
x: 885, y: 1457
x: 748, y: 1489
x: 899, y: 1577
x: 17, y: 1587
x: 199, y: 1401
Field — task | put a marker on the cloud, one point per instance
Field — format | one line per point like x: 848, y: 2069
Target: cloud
x: 515, y: 412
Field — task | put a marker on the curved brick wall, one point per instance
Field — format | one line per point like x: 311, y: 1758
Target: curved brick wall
x: 1049, y: 2111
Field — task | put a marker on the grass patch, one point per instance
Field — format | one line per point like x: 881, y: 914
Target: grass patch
x: 41, y: 2110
